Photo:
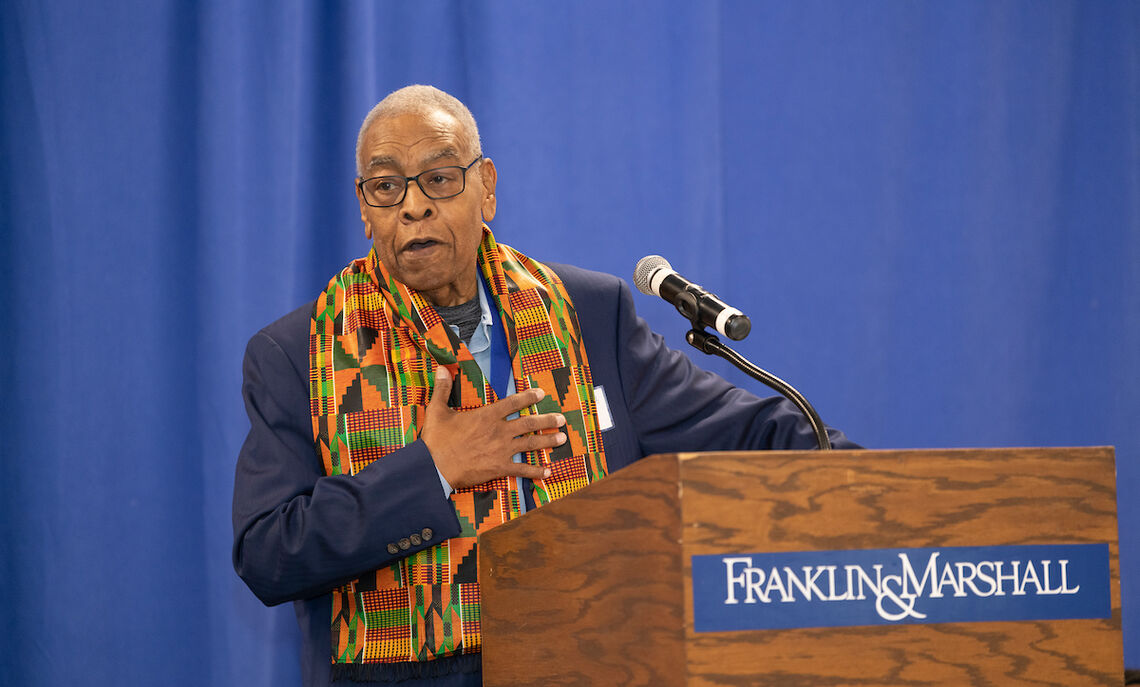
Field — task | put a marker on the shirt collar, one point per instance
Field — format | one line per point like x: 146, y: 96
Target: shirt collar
x: 484, y: 305
x: 480, y: 343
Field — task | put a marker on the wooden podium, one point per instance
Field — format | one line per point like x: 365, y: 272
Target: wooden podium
x: 596, y: 588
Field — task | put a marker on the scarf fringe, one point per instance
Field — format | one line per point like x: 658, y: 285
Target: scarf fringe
x: 399, y: 672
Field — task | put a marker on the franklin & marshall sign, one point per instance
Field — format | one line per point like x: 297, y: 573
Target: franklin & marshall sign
x: 761, y: 591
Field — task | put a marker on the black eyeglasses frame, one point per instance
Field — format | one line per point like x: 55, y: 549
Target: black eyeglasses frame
x: 361, y: 181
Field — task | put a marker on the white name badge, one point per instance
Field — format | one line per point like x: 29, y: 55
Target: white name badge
x: 605, y: 420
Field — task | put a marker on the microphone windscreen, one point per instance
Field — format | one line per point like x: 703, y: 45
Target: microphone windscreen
x: 643, y: 273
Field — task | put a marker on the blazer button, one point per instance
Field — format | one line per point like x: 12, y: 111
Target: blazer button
x: 405, y: 544
x: 427, y: 534
x: 416, y: 540
x: 393, y: 549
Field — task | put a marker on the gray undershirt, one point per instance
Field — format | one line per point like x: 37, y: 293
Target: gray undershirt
x: 465, y: 316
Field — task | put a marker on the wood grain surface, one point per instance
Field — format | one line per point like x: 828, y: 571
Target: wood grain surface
x: 595, y: 588
x: 587, y: 590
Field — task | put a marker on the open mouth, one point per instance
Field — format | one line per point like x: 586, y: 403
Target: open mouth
x: 424, y: 244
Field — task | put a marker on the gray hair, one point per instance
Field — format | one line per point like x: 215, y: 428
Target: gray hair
x: 417, y: 99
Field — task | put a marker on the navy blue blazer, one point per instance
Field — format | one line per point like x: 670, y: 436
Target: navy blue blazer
x: 298, y: 533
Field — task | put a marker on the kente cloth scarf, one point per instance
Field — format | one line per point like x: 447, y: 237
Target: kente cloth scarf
x: 373, y: 348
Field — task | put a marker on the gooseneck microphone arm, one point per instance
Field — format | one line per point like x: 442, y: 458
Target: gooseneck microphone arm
x: 654, y: 276
x: 704, y: 342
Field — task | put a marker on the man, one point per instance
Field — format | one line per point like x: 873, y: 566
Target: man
x: 438, y: 387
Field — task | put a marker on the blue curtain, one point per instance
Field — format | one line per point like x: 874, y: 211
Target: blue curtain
x: 931, y: 211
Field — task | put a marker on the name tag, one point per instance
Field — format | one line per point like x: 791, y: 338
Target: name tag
x: 605, y: 420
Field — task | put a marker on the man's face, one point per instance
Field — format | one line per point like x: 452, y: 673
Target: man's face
x: 429, y: 245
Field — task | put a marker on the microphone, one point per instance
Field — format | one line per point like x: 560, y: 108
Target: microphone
x: 654, y: 276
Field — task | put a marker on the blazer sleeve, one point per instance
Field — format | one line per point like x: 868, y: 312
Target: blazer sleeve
x: 297, y: 532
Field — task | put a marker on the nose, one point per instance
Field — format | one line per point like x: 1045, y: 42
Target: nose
x: 416, y: 205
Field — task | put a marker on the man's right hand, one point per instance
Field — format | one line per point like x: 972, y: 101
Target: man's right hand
x: 476, y: 446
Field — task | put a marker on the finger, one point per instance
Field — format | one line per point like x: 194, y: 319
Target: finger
x: 536, y: 442
x: 535, y: 423
x: 528, y: 471
x: 516, y: 402
x: 442, y: 390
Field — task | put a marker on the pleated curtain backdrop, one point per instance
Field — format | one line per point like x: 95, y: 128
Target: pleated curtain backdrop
x: 931, y: 211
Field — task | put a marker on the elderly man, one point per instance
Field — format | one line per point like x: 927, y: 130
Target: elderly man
x: 438, y: 387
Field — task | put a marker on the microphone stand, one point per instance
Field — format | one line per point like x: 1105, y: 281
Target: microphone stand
x: 707, y: 343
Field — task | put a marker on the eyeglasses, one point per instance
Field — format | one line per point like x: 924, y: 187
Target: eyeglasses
x: 437, y: 184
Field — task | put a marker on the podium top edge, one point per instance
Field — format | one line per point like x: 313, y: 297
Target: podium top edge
x: 694, y: 455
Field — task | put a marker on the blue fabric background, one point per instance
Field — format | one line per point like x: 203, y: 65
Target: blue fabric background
x: 931, y: 212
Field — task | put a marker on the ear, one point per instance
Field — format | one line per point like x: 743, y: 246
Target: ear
x: 363, y: 216
x: 489, y: 175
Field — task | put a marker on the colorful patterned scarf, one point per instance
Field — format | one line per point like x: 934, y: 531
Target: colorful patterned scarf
x: 373, y: 349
